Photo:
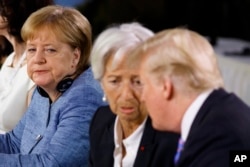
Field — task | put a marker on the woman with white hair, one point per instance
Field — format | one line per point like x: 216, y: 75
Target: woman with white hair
x: 121, y: 133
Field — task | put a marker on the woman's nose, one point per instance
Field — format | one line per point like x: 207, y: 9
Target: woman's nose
x: 39, y: 57
x: 127, y: 91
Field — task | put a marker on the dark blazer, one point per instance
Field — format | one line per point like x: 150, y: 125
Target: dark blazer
x: 155, y: 150
x: 221, y: 125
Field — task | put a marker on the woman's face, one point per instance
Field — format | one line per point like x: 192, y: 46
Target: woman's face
x: 3, y: 24
x: 123, y: 89
x: 49, y: 59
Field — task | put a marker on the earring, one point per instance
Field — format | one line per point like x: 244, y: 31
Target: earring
x: 104, y: 98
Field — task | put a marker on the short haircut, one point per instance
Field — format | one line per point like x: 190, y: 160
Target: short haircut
x: 68, y: 25
x: 182, y: 55
x: 116, y: 40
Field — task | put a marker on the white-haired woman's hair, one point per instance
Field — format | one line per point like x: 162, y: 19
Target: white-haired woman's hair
x: 116, y: 41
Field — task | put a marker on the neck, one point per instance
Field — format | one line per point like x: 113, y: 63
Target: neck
x: 129, y: 127
x: 185, y: 101
x: 18, y: 48
x: 53, y: 95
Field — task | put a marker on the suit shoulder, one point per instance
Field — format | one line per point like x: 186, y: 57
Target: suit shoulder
x: 104, y: 111
x: 102, y: 117
x: 164, y: 136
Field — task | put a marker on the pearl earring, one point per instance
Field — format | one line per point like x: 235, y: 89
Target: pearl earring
x: 104, y: 98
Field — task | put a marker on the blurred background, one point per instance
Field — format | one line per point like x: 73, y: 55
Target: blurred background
x: 72, y: 3
x: 226, y: 24
x: 212, y: 18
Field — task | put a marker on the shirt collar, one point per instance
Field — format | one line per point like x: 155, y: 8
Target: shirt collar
x: 118, y: 132
x: 191, y: 113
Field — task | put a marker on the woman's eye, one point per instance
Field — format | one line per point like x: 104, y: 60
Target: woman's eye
x: 113, y: 81
x: 50, y: 50
x: 137, y: 82
x: 31, y: 50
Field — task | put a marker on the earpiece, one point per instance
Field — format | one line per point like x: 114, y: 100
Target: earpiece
x: 64, y: 84
x: 42, y: 92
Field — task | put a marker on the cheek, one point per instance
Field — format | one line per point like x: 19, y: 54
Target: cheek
x: 62, y: 65
x: 145, y: 95
x: 63, y: 62
x: 59, y: 70
x: 110, y: 95
x: 29, y: 67
x: 150, y: 100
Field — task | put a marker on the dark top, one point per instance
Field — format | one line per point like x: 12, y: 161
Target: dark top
x: 222, y: 124
x: 156, y: 148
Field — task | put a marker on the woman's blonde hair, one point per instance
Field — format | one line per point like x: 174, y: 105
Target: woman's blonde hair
x: 68, y: 24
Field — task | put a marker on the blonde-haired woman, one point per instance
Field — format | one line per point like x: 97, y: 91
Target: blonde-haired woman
x: 54, y: 130
x: 15, y: 85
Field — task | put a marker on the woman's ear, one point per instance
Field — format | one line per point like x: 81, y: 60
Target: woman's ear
x: 77, y: 55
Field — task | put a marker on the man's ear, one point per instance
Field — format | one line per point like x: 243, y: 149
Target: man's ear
x: 167, y: 88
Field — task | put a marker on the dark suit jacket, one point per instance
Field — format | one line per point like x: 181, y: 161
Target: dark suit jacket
x: 222, y: 124
x: 156, y: 148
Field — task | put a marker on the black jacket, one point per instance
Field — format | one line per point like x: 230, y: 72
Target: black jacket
x: 157, y: 149
x: 221, y: 125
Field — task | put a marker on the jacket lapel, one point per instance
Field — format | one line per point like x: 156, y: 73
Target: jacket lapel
x: 202, y: 114
x: 146, y: 146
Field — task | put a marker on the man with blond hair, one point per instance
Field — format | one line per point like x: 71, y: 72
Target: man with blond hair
x: 183, y: 92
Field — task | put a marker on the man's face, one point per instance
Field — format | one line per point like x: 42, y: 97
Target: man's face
x: 161, y: 108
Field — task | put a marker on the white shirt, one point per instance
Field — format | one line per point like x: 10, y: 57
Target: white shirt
x: 131, y: 145
x: 14, y: 87
x: 191, y: 113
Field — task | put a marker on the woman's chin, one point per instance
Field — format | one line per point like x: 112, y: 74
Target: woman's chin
x: 40, y: 83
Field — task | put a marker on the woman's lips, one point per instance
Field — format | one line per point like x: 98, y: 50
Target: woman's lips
x: 40, y: 71
x: 127, y: 110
